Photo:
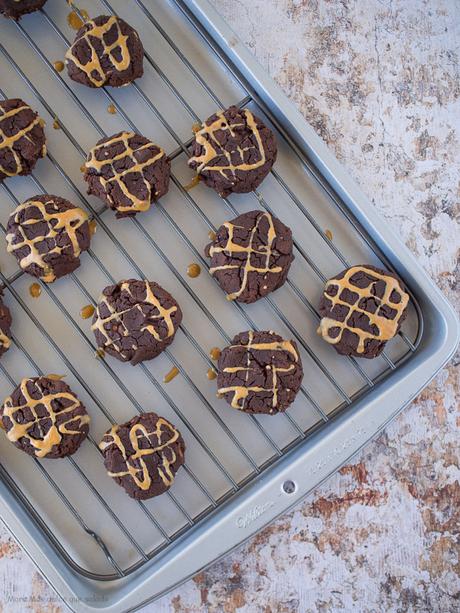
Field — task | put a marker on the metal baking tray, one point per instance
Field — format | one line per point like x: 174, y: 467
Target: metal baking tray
x: 97, y: 548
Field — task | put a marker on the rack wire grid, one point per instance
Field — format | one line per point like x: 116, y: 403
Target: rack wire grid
x: 91, y: 523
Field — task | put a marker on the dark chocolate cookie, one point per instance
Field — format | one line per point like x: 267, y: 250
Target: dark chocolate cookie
x: 106, y: 51
x: 22, y: 138
x: 15, y: 9
x: 233, y: 152
x: 44, y: 418
x: 5, y: 324
x: 128, y: 172
x: 143, y: 455
x: 251, y: 256
x: 135, y: 320
x: 361, y: 309
x: 47, y: 234
x: 259, y: 372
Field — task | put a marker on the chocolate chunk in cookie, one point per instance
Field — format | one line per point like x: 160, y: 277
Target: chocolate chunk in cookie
x: 251, y: 256
x: 47, y: 234
x: 361, y: 309
x: 143, y: 455
x: 128, y: 172
x: 106, y: 51
x: 15, y: 9
x: 233, y: 151
x: 259, y: 372
x: 22, y: 138
x: 44, y: 418
x: 135, y: 320
x: 5, y: 324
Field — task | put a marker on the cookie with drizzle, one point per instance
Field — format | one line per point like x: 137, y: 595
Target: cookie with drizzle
x: 251, y: 256
x: 15, y: 9
x: 135, y: 320
x: 233, y: 151
x: 44, y: 418
x: 47, y: 235
x: 260, y: 372
x: 106, y: 51
x: 22, y: 138
x: 143, y: 455
x: 128, y: 172
x: 5, y: 324
x: 361, y: 309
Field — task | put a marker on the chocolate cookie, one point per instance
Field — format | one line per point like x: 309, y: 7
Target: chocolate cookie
x: 259, y: 372
x: 15, y: 9
x: 233, y: 152
x: 361, y: 309
x: 106, y: 51
x: 143, y: 455
x: 47, y: 234
x: 135, y: 320
x: 44, y: 418
x: 22, y: 138
x: 128, y: 172
x: 5, y: 324
x: 251, y: 256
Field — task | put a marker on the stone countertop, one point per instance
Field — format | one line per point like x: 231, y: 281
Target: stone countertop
x: 379, y: 81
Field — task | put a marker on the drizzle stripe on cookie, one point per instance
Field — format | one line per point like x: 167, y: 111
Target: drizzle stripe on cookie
x: 136, y: 466
x: 387, y: 327
x: 232, y: 247
x: 241, y: 392
x: 53, y: 435
x: 68, y: 222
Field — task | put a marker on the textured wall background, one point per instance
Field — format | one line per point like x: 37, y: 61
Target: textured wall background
x: 379, y: 81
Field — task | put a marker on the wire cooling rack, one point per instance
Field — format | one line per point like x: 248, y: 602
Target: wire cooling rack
x: 89, y: 521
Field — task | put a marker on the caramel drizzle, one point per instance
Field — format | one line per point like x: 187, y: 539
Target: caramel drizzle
x: 102, y: 323
x: 54, y: 435
x: 206, y: 137
x: 136, y: 466
x: 69, y: 221
x: 137, y: 204
x: 241, y: 392
x: 231, y: 247
x: 9, y: 142
x: 5, y: 341
x: 93, y: 68
x: 387, y: 327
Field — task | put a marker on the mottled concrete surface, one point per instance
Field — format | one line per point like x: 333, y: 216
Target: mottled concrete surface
x: 379, y: 81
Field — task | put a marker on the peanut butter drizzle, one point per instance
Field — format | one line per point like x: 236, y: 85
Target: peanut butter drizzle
x: 58, y: 66
x: 196, y: 127
x: 54, y: 377
x: 241, y: 392
x: 214, y: 354
x: 87, y: 311
x: 69, y: 221
x: 212, y: 147
x: 231, y: 247
x: 74, y: 20
x: 193, y: 270
x: 193, y: 183
x: 92, y: 227
x: 93, y: 66
x: 5, y: 341
x: 136, y: 467
x: 56, y: 124
x: 328, y: 233
x: 35, y: 290
x: 9, y: 142
x: 211, y: 374
x: 137, y: 204
x: 171, y: 375
x: 55, y: 432
x: 101, y: 323
x: 387, y: 327
x: 112, y: 109
x: 99, y: 354
x: 212, y: 235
